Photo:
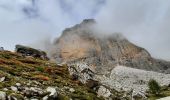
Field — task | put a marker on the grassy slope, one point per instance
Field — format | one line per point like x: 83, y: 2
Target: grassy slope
x: 19, y: 69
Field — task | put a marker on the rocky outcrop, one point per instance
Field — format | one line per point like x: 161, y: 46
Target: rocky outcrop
x: 1, y: 49
x: 27, y: 51
x: 81, y: 72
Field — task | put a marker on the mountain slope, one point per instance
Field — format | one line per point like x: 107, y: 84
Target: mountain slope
x: 23, y: 78
x: 81, y: 43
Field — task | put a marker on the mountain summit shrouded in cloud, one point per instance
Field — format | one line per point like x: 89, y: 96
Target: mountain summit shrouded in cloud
x: 119, y: 51
x: 144, y: 23
x: 81, y: 43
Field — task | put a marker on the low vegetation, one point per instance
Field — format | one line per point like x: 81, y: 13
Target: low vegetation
x: 29, y: 70
x: 154, y: 87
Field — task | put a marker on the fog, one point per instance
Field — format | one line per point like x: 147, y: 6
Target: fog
x: 38, y: 22
x: 145, y: 23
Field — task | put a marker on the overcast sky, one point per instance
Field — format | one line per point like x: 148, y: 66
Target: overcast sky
x: 145, y: 22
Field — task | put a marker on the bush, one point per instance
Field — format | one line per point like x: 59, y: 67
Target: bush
x: 41, y: 69
x: 154, y: 87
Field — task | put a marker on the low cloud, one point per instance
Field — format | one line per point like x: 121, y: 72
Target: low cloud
x: 145, y: 23
x: 29, y: 21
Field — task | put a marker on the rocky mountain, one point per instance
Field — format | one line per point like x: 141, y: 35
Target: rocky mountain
x: 83, y: 65
x: 81, y: 43
x: 24, y: 76
x: 111, y: 60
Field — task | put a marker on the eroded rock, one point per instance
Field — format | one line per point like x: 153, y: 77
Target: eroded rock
x: 81, y: 71
x: 27, y: 51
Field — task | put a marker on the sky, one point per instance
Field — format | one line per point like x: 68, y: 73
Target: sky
x: 35, y: 22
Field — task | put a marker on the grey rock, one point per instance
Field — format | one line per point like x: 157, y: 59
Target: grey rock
x: 53, y: 94
x: 2, y: 79
x: 5, y: 89
x: 52, y: 90
x: 18, y: 84
x: 130, y: 78
x: 82, y: 71
x: 138, y: 95
x: 13, y: 88
x: 72, y: 90
x: 104, y: 92
x: 2, y: 95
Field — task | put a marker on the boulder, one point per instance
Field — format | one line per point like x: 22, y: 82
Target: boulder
x: 92, y: 83
x: 138, y: 96
x: 104, y: 92
x: 2, y: 95
x: 13, y: 88
x: 53, y: 94
x: 2, y: 79
x: 72, y: 90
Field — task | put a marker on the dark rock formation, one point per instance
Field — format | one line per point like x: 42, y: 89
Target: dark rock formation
x: 81, y: 44
x: 1, y: 49
x: 27, y: 51
x: 92, y: 83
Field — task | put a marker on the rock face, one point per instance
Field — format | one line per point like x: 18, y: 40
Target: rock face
x: 81, y: 72
x: 80, y: 43
x: 1, y: 49
x: 27, y: 51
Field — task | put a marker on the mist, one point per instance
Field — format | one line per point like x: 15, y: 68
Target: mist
x: 145, y: 23
x: 37, y: 23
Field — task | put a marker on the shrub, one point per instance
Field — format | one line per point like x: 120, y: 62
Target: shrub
x: 41, y: 69
x: 154, y: 87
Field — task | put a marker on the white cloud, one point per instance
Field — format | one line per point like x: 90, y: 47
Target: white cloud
x: 145, y: 23
x: 27, y: 21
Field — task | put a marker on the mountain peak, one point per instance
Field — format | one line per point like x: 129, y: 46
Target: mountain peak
x: 80, y: 44
x: 89, y: 21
